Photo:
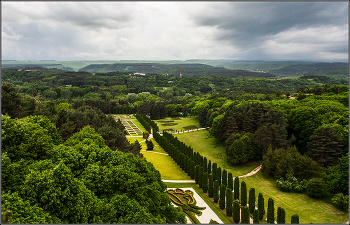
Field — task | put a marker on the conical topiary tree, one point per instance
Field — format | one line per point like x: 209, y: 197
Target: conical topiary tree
x: 200, y: 177
x: 236, y: 211
x: 270, y: 211
x: 205, y: 182
x: 222, y: 196
x: 243, y: 194
x: 256, y: 216
x: 209, y: 167
x: 236, y: 189
x: 251, y: 200
x: 218, y: 174
x: 230, y: 181
x: 229, y: 202
x: 295, y: 219
x: 205, y: 165
x: 216, y: 191
x: 196, y: 174
x: 211, y: 186
x: 214, y: 168
x: 261, y: 206
x: 224, y: 177
x: 245, y: 215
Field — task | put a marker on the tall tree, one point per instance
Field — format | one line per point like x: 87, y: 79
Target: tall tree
x: 230, y: 181
x: 236, y: 211
x: 325, y: 146
x: 243, y: 194
x: 229, y: 202
x: 211, y: 186
x: 251, y: 200
x: 270, y: 211
x: 222, y: 196
x: 236, y: 189
x: 261, y: 206
x: 10, y: 100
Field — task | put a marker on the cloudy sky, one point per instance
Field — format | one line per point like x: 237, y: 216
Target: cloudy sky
x: 316, y: 31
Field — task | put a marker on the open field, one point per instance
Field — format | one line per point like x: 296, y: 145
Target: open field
x: 213, y: 150
x: 177, y: 123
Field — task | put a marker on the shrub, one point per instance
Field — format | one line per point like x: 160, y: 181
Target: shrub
x: 236, y: 211
x: 243, y: 194
x: 291, y: 184
x: 256, y: 216
x: 315, y: 188
x: 236, y: 189
x: 205, y: 182
x: 228, y: 202
x: 218, y: 175
x: 245, y: 215
x: 341, y: 201
x: 209, y: 167
x: 145, y: 135
x: 214, y: 168
x: 211, y: 186
x: 224, y: 177
x: 216, y: 191
x: 213, y: 222
x: 251, y: 200
x: 270, y: 211
x: 222, y: 196
x: 196, y: 174
x: 150, y: 145
x: 295, y: 219
x: 261, y: 206
x: 200, y: 177
x: 230, y: 181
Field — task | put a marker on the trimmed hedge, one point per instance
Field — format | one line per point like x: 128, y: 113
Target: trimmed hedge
x: 222, y: 196
x: 211, y: 186
x: 236, y: 211
x: 205, y: 182
x: 295, y: 219
x: 243, y: 194
x: 229, y: 202
x: 251, y: 200
x: 236, y: 189
x: 216, y: 191
x: 230, y: 181
x: 245, y: 215
x: 270, y: 211
x: 256, y: 216
x: 261, y: 206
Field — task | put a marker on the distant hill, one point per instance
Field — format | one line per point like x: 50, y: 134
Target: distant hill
x: 173, y: 69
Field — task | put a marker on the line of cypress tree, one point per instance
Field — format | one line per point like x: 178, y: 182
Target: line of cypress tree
x: 222, y: 196
x: 279, y: 209
x: 211, y: 186
x: 251, y: 200
x: 209, y: 167
x: 245, y: 215
x: 192, y: 171
x: 256, y: 216
x: 270, y: 211
x: 218, y: 174
x: 205, y: 165
x: 196, y: 174
x: 243, y: 194
x: 230, y: 181
x: 236, y: 189
x: 216, y: 191
x: 214, y: 168
x: 261, y: 206
x: 295, y: 219
x: 205, y: 182
x: 224, y: 177
x: 236, y: 211
x: 228, y: 202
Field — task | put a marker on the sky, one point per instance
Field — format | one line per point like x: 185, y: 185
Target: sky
x: 311, y: 31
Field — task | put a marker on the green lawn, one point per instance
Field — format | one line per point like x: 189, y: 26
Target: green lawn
x: 210, y: 202
x: 213, y: 150
x: 181, y: 123
x: 168, y: 169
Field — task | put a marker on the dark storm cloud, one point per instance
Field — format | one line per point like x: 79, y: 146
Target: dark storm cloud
x: 243, y: 23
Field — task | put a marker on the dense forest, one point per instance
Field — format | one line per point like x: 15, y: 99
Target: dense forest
x: 297, y: 128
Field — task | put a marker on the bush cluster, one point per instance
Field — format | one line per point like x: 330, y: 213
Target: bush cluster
x: 291, y: 184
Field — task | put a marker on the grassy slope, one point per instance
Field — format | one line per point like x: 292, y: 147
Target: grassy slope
x: 213, y: 150
x: 308, y: 209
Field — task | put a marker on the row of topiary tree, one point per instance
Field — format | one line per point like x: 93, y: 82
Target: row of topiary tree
x: 147, y: 123
x: 219, y: 185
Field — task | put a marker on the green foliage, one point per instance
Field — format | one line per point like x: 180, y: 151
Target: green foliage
x: 251, y: 200
x: 10, y: 100
x: 341, y: 201
x: 243, y: 194
x: 224, y: 177
x: 315, y: 188
x: 280, y: 162
x: 230, y: 181
x: 270, y: 211
x: 245, y: 215
x: 256, y: 216
x: 213, y: 222
x: 291, y: 184
x: 216, y: 191
x: 236, y: 211
x: 324, y: 146
x: 222, y: 196
x: 218, y: 175
x: 211, y: 186
x: 261, y: 206
x: 295, y: 219
x: 236, y: 189
x: 149, y: 144
x: 229, y: 202
x: 205, y: 182
x: 281, y: 216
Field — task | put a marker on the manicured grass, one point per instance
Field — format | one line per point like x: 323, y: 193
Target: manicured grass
x: 309, y: 210
x: 180, y: 123
x: 214, y: 151
x: 168, y: 169
x: 138, y: 124
x: 214, y: 206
